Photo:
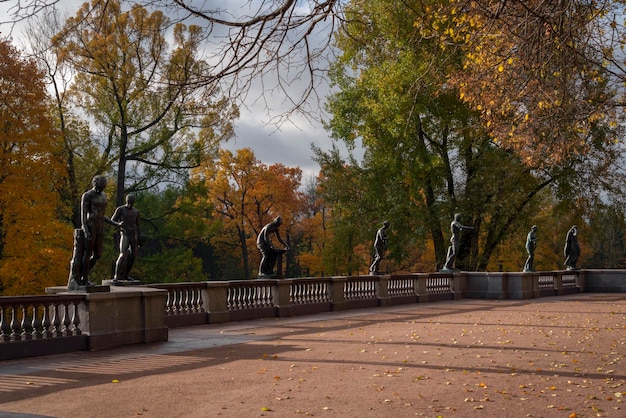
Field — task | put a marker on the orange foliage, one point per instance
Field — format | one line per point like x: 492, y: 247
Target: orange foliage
x: 244, y: 195
x: 35, y: 247
x: 315, y: 235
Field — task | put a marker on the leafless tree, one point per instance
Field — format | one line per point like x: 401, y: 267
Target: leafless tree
x: 279, y: 45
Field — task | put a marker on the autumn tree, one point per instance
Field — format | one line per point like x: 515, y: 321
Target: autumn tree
x: 315, y: 230
x: 34, y: 245
x: 426, y: 154
x: 157, y: 121
x: 546, y: 76
x: 343, y: 224
x: 243, y: 195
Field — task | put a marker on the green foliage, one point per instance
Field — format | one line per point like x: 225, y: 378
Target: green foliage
x: 171, y: 265
x: 605, y: 241
x: 426, y: 155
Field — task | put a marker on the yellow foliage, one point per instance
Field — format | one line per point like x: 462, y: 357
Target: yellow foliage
x: 35, y: 247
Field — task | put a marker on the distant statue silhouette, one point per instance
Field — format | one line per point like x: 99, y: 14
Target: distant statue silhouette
x: 531, y: 246
x: 455, y: 228
x: 269, y: 253
x: 572, y: 249
x: 380, y: 246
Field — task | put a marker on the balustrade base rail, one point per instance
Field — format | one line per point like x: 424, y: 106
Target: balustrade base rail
x: 62, y: 321
x: 43, y: 347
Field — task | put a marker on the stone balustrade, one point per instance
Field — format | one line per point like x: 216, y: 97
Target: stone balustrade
x: 64, y: 321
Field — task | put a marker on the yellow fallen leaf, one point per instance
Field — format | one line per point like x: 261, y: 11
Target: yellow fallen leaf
x: 115, y: 381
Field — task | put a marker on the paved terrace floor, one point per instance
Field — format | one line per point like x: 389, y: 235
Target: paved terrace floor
x: 550, y: 357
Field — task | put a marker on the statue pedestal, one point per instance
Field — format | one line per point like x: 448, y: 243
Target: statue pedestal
x: 132, y: 282
x: 78, y: 289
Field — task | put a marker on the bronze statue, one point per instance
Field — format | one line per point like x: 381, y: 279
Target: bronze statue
x: 531, y: 245
x: 380, y: 246
x: 572, y: 249
x: 128, y: 216
x: 455, y: 227
x: 269, y: 253
x: 88, y: 239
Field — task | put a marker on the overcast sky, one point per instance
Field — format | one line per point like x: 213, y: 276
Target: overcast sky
x: 289, y: 144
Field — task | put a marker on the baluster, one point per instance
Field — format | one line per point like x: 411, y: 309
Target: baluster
x: 235, y: 297
x: 174, y: 308
x: 248, y: 297
x: 292, y: 293
x: 189, y: 297
x: 178, y: 300
x: 200, y: 301
x: 15, y: 327
x: 249, y: 301
x: 298, y: 293
x: 182, y: 301
x: 305, y: 293
x: 240, y: 292
x: 76, y: 320
x: 229, y: 299
x: 262, y: 291
x: 240, y: 297
x: 259, y: 296
x: 36, y: 323
x: 26, y: 333
x: 56, y: 321
x: 66, y: 331
x: 193, y: 307
x: 45, y: 322
x: 169, y: 303
x: 229, y: 296
x: 4, y: 325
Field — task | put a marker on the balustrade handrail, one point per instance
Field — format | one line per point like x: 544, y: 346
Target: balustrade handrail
x: 56, y: 298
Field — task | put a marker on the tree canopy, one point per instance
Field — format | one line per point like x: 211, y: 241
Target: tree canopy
x: 34, y: 243
x: 507, y: 111
x: 156, y: 117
